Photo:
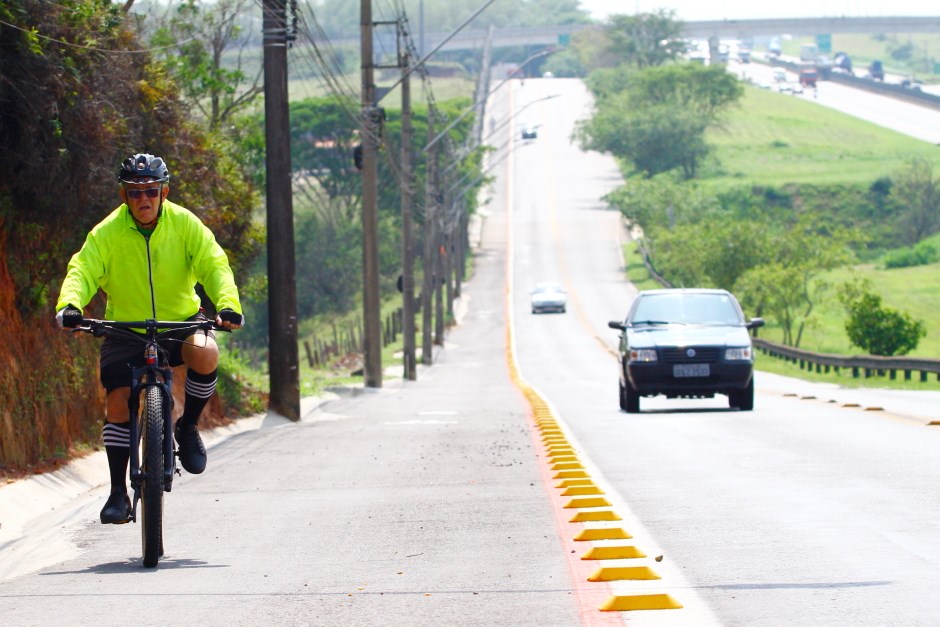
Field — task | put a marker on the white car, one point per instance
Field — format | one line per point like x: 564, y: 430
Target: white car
x: 546, y: 297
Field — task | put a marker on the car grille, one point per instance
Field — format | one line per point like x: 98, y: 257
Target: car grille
x: 680, y: 354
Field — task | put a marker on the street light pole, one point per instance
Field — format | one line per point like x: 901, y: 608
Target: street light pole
x: 473, y: 107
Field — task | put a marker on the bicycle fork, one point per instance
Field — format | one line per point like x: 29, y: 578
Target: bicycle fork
x: 141, y: 379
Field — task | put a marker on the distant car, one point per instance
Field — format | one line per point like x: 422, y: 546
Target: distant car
x: 548, y: 75
x: 691, y: 343
x: 530, y: 132
x: 808, y: 78
x: 876, y: 71
x: 913, y: 84
x: 546, y: 297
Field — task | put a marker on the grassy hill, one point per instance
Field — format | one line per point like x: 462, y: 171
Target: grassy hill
x: 774, y: 139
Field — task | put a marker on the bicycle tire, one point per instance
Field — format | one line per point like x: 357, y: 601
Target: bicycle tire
x: 151, y: 529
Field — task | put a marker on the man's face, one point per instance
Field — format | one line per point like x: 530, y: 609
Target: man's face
x: 144, y: 200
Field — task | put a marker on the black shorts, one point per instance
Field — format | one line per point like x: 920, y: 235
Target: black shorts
x: 121, y: 355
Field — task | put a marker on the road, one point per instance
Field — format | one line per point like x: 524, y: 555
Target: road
x: 804, y: 511
x: 904, y: 117
x: 438, y: 502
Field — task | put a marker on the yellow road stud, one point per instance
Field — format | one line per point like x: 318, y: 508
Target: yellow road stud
x: 613, y: 553
x: 604, y: 533
x: 594, y: 501
x: 640, y: 602
x: 621, y: 573
x: 604, y: 514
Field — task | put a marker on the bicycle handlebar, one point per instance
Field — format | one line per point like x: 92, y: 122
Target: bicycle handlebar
x: 151, y: 326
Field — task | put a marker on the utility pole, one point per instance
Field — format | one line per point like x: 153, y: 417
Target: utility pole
x: 284, y: 375
x: 430, y: 252
x: 370, y: 129
x: 407, y: 198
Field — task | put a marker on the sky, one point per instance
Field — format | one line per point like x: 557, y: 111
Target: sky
x: 689, y: 10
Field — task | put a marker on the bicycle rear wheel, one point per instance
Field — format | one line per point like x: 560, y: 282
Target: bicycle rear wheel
x: 151, y: 529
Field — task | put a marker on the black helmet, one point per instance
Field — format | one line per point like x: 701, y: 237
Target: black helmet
x: 143, y: 168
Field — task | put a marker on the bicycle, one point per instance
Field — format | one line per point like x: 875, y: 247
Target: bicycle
x: 153, y: 450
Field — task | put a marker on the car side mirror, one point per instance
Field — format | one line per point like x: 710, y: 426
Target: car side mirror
x: 755, y: 323
x: 616, y: 324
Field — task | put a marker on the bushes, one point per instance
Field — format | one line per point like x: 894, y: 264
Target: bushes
x: 877, y: 329
x: 919, y: 255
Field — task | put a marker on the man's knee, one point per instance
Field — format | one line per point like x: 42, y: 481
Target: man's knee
x: 117, y: 411
x: 201, y: 353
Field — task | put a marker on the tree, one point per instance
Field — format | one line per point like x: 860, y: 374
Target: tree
x: 917, y: 191
x: 787, y: 287
x: 875, y: 328
x: 204, y: 49
x: 658, y: 121
x: 647, y: 39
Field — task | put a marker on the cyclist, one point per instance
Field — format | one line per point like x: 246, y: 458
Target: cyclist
x: 147, y: 256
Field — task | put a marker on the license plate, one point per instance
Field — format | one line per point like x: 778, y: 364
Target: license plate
x: 690, y: 370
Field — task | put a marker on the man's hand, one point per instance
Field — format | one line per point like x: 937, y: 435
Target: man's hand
x: 68, y: 317
x: 229, y: 319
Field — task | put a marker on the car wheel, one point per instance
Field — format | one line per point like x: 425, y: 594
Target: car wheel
x: 623, y: 396
x: 743, y: 399
x: 631, y: 400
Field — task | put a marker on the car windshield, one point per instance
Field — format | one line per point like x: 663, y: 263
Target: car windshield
x: 547, y: 287
x: 716, y: 309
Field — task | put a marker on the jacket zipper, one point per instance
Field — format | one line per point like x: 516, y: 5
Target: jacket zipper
x: 153, y: 298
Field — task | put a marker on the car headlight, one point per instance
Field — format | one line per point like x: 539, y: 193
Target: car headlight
x: 738, y: 354
x: 643, y: 354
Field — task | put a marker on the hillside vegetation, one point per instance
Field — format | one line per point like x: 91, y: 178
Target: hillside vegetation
x: 774, y: 139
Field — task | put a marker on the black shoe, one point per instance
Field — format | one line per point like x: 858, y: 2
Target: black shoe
x: 192, y: 453
x: 117, y: 510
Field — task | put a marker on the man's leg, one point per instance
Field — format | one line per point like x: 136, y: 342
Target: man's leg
x: 116, y: 435
x: 201, y: 356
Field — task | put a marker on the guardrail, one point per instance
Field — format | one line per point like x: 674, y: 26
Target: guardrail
x: 879, y: 87
x: 867, y: 366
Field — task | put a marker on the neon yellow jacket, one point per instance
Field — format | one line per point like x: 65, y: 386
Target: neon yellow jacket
x: 150, y: 277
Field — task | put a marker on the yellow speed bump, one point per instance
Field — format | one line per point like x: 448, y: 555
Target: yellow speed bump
x: 619, y: 573
x: 592, y: 501
x: 567, y: 483
x: 567, y: 466
x: 563, y: 458
x: 604, y: 533
x: 582, y: 490
x: 570, y: 474
x: 604, y: 514
x: 613, y: 553
x: 640, y: 602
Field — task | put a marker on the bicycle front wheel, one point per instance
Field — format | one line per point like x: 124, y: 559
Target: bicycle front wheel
x: 151, y: 530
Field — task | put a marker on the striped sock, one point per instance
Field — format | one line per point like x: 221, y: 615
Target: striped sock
x: 199, y: 389
x: 117, y: 442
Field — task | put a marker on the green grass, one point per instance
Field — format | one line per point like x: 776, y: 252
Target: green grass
x: 911, y: 290
x: 774, y: 139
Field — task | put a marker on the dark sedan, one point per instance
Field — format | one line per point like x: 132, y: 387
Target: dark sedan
x: 691, y: 343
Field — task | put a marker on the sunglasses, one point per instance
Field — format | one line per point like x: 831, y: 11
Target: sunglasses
x: 151, y: 192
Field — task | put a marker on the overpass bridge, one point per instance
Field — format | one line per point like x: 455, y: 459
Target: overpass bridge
x: 730, y: 29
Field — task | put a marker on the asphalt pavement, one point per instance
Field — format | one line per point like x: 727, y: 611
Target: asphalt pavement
x: 420, y: 503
